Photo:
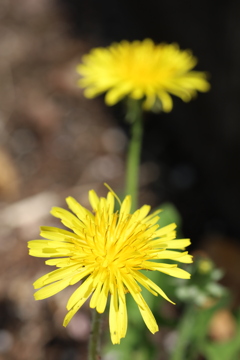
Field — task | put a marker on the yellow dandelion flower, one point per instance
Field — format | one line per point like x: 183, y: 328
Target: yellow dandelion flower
x: 141, y: 70
x: 106, y: 251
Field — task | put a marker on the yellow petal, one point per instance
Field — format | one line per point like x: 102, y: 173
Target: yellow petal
x: 139, y: 277
x: 67, y: 218
x: 186, y: 259
x: 113, y: 319
x: 122, y: 318
x: 141, y: 213
x: 81, y: 294
x: 166, y: 230
x: 176, y: 272
x: 56, y: 275
x: 49, y: 252
x: 146, y: 282
x: 76, y: 307
x: 60, y: 262
x: 117, y: 93
x: 50, y: 244
x: 178, y: 244
x: 151, y: 265
x: 151, y: 217
x: 51, y: 290
x: 113, y: 193
x: 146, y: 313
x: 110, y: 203
x: 95, y: 297
x: 102, y: 301
x: 131, y: 284
x: 125, y: 208
x: 93, y: 199
x: 54, y: 233
x: 166, y: 100
x: 78, y: 209
x: 81, y: 274
x: 149, y: 102
x: 175, y: 255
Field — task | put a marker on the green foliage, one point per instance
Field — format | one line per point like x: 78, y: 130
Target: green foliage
x: 229, y: 350
x: 192, y: 331
x: 203, y: 284
x: 198, y: 293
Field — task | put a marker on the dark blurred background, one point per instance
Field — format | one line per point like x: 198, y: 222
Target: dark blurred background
x: 198, y: 144
x: 55, y: 143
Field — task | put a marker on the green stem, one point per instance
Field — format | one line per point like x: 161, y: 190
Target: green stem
x: 185, y: 332
x: 94, y: 343
x: 135, y: 118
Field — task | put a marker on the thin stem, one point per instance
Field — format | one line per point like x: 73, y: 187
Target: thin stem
x: 135, y: 118
x: 185, y: 331
x: 94, y: 343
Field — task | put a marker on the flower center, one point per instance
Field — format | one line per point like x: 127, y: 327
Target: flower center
x: 106, y: 262
x: 106, y: 259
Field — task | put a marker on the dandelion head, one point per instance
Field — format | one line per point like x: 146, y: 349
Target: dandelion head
x: 141, y: 70
x: 106, y: 251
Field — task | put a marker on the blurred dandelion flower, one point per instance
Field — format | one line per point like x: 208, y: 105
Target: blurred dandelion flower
x: 107, y: 251
x: 141, y: 70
